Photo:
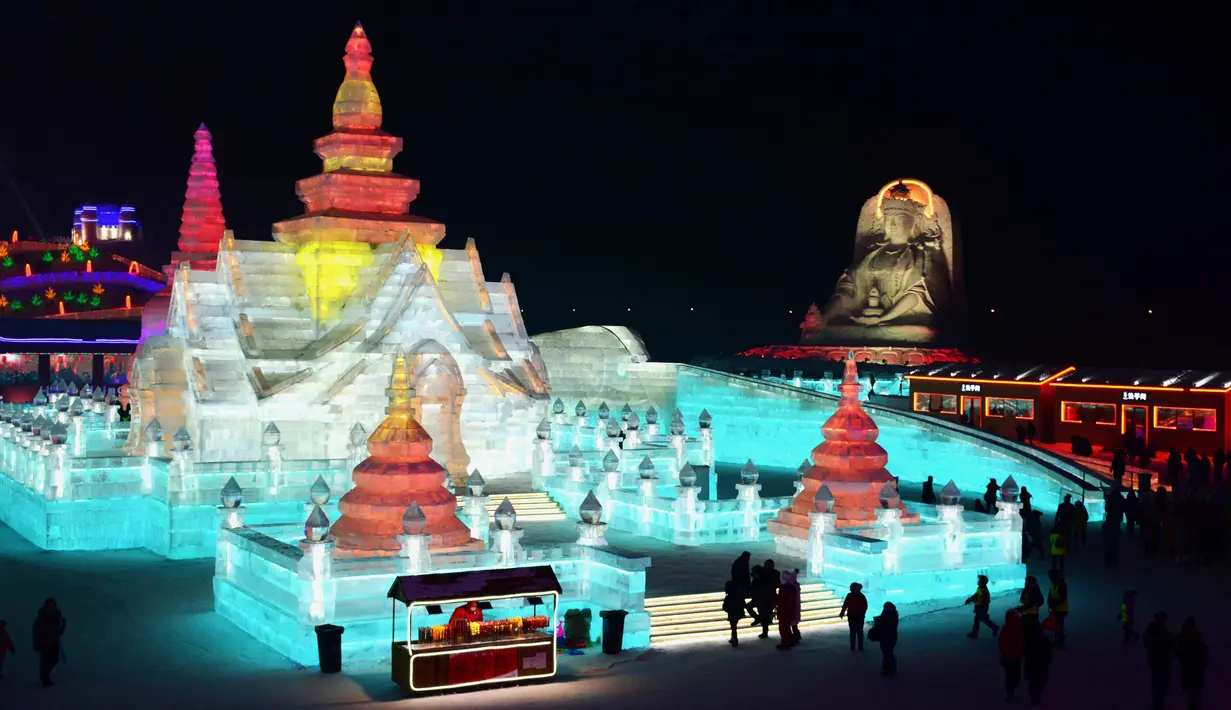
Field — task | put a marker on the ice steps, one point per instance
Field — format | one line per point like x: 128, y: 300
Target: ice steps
x: 700, y: 616
x: 530, y: 507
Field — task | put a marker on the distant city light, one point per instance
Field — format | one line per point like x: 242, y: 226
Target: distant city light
x: 1150, y: 310
x: 630, y: 310
x: 993, y: 310
x: 691, y: 308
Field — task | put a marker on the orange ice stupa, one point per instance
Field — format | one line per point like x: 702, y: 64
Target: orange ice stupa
x: 849, y: 462
x: 399, y: 471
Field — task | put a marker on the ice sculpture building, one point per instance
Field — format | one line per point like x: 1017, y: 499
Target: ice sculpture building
x: 300, y: 332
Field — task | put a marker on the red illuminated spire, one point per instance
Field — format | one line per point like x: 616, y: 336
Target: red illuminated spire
x: 357, y: 105
x: 202, y: 224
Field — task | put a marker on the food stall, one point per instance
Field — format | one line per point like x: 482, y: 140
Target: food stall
x: 475, y: 628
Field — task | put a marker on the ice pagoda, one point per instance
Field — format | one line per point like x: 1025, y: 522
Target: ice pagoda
x: 301, y: 331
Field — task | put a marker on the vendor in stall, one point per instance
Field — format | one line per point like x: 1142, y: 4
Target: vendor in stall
x: 469, y: 611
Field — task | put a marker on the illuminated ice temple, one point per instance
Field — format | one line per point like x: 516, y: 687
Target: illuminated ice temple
x: 339, y: 388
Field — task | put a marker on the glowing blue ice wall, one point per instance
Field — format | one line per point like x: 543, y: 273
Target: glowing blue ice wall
x: 924, y: 563
x: 778, y: 425
x: 275, y: 591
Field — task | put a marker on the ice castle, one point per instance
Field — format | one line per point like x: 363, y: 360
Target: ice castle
x: 299, y: 333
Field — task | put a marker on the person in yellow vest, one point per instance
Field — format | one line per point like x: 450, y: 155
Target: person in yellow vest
x: 1059, y: 545
x: 1058, y: 603
x: 1029, y: 603
x: 982, y: 599
x: 1128, y: 616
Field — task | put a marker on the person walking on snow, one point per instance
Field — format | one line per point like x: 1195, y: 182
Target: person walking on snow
x: 1012, y: 649
x: 885, y: 628
x: 1160, y: 650
x: 982, y: 599
x: 1058, y: 603
x: 1029, y: 603
x: 788, y: 611
x: 855, y: 608
x: 1037, y: 659
x: 49, y: 626
x: 1081, y: 520
x: 762, y: 605
x: 733, y: 605
x: 741, y: 575
x: 1128, y: 616
x: 1193, y: 656
x: 929, y: 493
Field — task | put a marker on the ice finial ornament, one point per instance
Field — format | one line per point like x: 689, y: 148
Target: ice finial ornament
x: 688, y: 476
x: 358, y: 435
x: 40, y: 399
x: 414, y: 522
x: 591, y: 511
x: 705, y: 420
x: 651, y: 416
x: 604, y: 411
x: 804, y: 467
x: 62, y: 404
x: 558, y: 406
x: 625, y: 411
x: 580, y: 409
x: 950, y: 494
x: 613, y: 428
x: 232, y: 494
x: 677, y: 424
x: 633, y: 421
x: 575, y: 457
x: 749, y: 474
x: 544, y: 429
x: 475, y: 483
x: 319, y: 492
x: 611, y: 462
x: 1009, y: 490
x: 77, y: 409
x: 646, y: 468
x: 271, y: 435
x: 823, y: 500
x: 316, y: 529
x: 182, y: 441
x: 59, y: 433
x: 357, y: 105
x: 153, y: 432
x: 506, y: 516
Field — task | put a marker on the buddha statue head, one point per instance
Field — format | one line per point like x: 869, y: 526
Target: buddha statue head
x: 901, y: 215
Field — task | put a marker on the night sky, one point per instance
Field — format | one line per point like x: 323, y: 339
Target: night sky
x: 664, y: 156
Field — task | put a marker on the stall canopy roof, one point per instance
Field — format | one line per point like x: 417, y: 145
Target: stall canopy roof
x: 477, y: 584
x: 984, y: 371
x: 1129, y: 377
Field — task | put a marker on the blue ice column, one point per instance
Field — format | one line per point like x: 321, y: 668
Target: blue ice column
x: 318, y: 591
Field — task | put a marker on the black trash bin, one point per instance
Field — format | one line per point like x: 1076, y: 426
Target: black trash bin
x: 613, y: 630
x: 329, y: 647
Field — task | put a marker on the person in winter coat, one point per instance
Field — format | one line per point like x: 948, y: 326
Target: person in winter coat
x: 469, y: 611
x: 1128, y: 616
x: 1193, y: 656
x: 6, y: 646
x: 1029, y: 603
x: 788, y: 610
x: 1037, y: 658
x: 1160, y: 650
x: 989, y: 495
x: 929, y: 493
x: 886, y: 628
x: 762, y: 605
x: 1058, y: 603
x: 49, y: 626
x: 741, y: 575
x: 1033, y: 528
x: 1081, y: 520
x: 733, y: 605
x: 982, y: 599
x: 855, y: 608
x: 1130, y: 512
x: 1012, y: 649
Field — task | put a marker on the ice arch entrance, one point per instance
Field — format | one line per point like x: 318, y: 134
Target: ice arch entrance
x: 439, y: 393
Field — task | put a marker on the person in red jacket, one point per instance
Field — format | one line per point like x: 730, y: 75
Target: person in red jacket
x: 855, y: 608
x: 469, y: 611
x: 1012, y: 649
x: 788, y: 610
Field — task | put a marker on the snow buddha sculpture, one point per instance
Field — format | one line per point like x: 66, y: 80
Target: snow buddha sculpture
x: 903, y: 282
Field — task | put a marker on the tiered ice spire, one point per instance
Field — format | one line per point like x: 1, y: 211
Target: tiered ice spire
x: 357, y: 105
x: 202, y: 224
x: 399, y: 471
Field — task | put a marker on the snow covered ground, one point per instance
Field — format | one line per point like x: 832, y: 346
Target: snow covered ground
x: 142, y: 633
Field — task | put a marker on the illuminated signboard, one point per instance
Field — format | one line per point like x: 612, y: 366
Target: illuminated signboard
x: 967, y: 387
x: 1134, y: 396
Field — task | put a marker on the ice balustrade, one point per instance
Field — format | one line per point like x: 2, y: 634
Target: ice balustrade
x: 772, y: 423
x: 278, y: 588
x: 922, y: 563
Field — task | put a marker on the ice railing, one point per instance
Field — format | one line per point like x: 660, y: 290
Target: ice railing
x: 277, y: 585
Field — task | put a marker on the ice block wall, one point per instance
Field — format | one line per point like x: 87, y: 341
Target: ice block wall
x: 606, y: 363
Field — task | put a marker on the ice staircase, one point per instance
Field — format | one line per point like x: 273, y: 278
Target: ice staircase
x: 700, y: 616
x: 531, y: 507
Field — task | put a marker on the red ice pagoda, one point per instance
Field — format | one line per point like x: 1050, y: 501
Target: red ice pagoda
x: 849, y: 462
x: 399, y: 471
x: 202, y: 225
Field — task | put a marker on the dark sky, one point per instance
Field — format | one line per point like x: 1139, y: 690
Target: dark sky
x: 663, y: 156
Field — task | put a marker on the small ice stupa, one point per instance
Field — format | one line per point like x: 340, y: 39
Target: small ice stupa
x: 399, y: 472
x: 850, y: 463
